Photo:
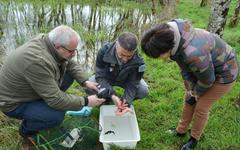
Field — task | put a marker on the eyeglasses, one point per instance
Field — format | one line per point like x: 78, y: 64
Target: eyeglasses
x: 70, y: 50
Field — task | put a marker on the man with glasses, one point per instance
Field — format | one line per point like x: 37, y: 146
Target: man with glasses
x: 119, y: 64
x: 34, y: 79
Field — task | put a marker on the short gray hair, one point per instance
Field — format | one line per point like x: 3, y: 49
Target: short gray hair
x: 62, y: 35
x: 128, y: 41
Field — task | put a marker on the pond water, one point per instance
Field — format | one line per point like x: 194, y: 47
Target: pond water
x: 96, y: 22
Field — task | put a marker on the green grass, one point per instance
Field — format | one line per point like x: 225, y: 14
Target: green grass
x: 162, y: 108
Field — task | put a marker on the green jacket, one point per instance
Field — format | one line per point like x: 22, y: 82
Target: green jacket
x: 31, y: 72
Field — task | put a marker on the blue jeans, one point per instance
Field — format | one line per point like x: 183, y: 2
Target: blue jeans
x: 37, y: 115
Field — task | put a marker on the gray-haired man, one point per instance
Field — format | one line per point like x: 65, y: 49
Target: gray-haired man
x: 119, y: 64
x: 34, y: 77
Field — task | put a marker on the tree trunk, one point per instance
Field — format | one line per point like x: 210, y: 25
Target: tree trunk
x: 2, y: 55
x: 234, y: 20
x: 2, y: 50
x: 218, y: 17
x: 168, y: 11
x: 153, y: 7
x: 203, y: 3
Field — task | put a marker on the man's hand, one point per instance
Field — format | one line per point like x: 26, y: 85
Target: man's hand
x: 91, y: 85
x: 94, y: 101
x: 120, y: 112
x: 122, y: 106
x: 117, y: 101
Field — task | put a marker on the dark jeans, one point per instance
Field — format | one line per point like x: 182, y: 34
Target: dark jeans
x: 37, y: 115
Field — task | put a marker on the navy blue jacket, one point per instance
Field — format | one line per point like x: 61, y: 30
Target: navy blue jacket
x: 109, y: 72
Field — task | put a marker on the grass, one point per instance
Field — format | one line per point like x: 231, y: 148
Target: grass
x: 162, y: 108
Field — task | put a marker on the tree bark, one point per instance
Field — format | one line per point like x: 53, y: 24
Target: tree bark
x: 203, y: 3
x: 218, y: 17
x: 153, y: 7
x: 234, y: 20
x: 2, y: 50
x: 168, y: 11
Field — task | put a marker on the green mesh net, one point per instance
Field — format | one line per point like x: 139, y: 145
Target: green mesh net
x: 50, y: 139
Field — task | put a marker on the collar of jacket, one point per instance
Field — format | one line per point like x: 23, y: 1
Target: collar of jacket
x: 186, y: 30
x: 110, y: 56
x: 179, y: 50
x: 53, y: 51
x: 174, y: 27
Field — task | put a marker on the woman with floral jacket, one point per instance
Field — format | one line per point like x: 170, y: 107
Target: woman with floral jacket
x: 208, y: 66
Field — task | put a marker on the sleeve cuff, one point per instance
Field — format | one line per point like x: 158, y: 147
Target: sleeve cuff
x: 85, y: 101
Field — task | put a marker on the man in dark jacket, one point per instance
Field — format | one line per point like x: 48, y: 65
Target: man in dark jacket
x: 119, y: 64
x: 34, y: 77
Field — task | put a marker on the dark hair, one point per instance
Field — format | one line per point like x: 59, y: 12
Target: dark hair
x: 157, y: 40
x: 128, y: 41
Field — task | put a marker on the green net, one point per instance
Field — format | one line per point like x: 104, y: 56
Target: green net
x: 50, y: 139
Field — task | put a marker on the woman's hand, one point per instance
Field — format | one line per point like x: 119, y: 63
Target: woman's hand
x: 192, y: 94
